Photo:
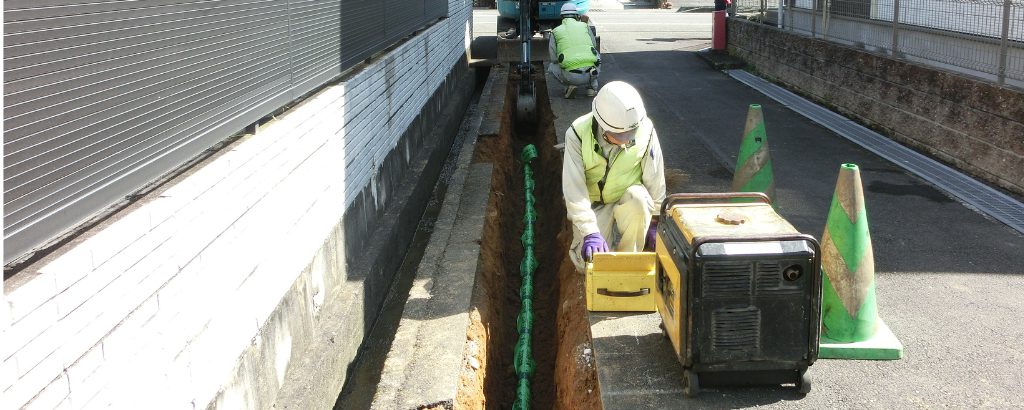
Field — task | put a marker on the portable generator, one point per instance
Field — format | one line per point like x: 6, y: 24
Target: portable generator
x: 739, y: 291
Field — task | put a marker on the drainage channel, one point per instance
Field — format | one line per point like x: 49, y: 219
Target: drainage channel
x: 985, y: 199
x: 560, y: 333
x: 365, y: 372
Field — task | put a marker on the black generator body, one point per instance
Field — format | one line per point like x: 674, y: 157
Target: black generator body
x: 738, y: 290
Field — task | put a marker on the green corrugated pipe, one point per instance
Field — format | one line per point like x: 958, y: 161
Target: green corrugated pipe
x: 523, y: 358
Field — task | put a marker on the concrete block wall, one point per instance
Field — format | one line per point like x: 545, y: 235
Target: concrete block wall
x: 208, y: 295
x: 968, y: 123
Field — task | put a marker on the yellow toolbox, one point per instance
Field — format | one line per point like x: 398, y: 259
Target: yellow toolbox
x: 621, y: 282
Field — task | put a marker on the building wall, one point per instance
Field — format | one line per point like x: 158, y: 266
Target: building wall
x: 211, y: 294
x: 971, y: 124
x: 100, y: 98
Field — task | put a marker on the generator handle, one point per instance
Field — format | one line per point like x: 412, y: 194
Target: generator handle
x: 674, y: 199
x: 815, y: 278
x: 703, y: 240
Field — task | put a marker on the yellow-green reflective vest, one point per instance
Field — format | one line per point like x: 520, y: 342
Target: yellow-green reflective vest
x: 573, y: 43
x: 607, y: 182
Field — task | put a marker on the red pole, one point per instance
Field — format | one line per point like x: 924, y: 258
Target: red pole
x: 718, y: 30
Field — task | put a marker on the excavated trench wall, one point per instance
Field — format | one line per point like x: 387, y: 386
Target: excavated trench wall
x: 565, y: 376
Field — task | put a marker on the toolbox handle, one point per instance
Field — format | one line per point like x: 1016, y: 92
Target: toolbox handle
x: 623, y: 294
x: 707, y: 197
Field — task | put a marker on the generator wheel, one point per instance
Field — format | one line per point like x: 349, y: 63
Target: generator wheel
x: 804, y: 385
x: 691, y: 383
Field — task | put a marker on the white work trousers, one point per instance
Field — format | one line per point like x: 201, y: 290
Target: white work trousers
x: 623, y: 224
x: 567, y: 78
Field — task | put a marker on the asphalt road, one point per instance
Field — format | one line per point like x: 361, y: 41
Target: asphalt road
x: 950, y: 281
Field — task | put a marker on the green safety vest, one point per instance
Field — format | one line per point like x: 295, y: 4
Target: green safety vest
x: 574, y: 45
x: 606, y: 183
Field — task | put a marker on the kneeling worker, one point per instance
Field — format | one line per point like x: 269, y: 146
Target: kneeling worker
x: 573, y: 52
x: 613, y: 176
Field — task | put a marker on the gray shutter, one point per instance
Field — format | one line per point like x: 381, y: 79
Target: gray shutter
x: 362, y: 30
x: 315, y: 52
x: 401, y: 18
x: 435, y: 9
x: 100, y: 98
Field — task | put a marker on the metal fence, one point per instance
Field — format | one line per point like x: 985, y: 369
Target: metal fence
x: 983, y: 38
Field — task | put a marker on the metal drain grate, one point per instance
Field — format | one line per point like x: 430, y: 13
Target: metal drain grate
x: 984, y: 198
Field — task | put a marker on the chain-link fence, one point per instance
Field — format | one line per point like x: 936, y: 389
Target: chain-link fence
x: 983, y: 38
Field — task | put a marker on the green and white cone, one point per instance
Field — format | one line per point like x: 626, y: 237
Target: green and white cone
x: 851, y: 327
x: 753, y: 164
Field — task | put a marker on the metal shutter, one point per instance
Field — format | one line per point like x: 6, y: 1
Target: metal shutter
x: 100, y: 98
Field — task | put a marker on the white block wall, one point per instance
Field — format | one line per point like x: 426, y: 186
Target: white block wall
x: 155, y: 310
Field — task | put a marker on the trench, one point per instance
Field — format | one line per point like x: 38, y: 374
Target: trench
x: 565, y: 375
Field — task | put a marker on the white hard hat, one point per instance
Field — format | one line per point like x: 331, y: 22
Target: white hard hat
x: 569, y: 8
x: 619, y: 109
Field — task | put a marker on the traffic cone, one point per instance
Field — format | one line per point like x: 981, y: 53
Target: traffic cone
x: 753, y: 164
x: 851, y: 327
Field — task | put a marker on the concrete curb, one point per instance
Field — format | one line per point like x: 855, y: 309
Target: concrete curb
x: 316, y: 376
x: 721, y: 60
x: 426, y: 357
x: 634, y: 371
x: 491, y: 108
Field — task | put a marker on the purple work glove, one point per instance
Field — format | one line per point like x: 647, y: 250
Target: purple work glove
x: 652, y: 234
x: 592, y: 244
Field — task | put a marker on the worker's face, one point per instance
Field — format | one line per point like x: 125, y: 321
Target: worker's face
x: 622, y: 139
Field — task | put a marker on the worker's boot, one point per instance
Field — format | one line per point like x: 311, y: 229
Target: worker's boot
x: 570, y: 91
x: 591, y: 92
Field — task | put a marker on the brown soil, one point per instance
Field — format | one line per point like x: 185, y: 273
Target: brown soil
x: 565, y: 377
x: 495, y: 293
x: 575, y: 377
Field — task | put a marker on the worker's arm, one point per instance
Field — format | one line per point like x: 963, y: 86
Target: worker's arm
x: 593, y: 43
x: 574, y: 187
x: 552, y: 52
x: 653, y: 167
